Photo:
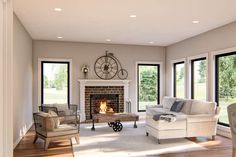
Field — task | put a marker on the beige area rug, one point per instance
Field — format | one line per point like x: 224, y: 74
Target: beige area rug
x: 130, y: 142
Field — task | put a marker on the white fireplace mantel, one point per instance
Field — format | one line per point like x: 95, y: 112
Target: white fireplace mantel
x: 90, y: 82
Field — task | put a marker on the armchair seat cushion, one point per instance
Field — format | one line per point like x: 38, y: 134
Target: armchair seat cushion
x: 63, y: 129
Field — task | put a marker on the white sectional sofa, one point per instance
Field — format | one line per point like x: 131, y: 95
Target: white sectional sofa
x: 197, y: 118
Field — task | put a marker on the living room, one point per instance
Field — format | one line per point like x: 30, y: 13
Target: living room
x: 141, y: 54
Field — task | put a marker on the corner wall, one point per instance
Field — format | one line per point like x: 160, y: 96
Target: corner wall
x: 22, y: 81
x: 217, y: 39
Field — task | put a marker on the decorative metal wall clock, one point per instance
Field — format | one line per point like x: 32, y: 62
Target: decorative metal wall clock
x: 107, y: 67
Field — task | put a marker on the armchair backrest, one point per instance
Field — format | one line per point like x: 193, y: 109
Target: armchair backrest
x: 46, y: 108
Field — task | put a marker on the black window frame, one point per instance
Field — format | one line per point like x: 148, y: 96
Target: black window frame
x: 174, y: 77
x: 158, y: 83
x: 217, y: 79
x: 192, y: 74
x: 42, y: 79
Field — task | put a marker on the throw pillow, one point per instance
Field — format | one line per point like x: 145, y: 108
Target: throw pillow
x: 47, y: 122
x: 55, y: 118
x: 177, y: 106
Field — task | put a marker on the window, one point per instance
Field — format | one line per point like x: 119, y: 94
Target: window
x: 225, y: 83
x: 55, y: 82
x: 179, y: 80
x: 198, y: 79
x: 148, y: 85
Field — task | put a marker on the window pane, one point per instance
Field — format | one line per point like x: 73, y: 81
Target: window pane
x: 55, y: 83
x: 226, y: 84
x: 179, y: 80
x: 199, y: 79
x: 148, y: 85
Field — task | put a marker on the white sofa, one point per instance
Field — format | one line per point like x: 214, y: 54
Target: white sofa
x: 197, y: 118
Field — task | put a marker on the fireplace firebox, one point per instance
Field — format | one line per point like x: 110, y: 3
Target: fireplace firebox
x: 107, y: 98
x: 111, y: 102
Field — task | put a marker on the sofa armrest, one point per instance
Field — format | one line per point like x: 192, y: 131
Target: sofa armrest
x: 153, y: 106
x: 202, y: 118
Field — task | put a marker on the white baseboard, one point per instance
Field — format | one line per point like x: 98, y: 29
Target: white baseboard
x: 223, y: 131
x: 19, y: 139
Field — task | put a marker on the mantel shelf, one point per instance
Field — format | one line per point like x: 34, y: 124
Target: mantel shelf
x: 90, y: 82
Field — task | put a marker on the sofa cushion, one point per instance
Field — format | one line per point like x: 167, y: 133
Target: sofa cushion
x: 187, y: 105
x: 202, y: 118
x: 153, y: 111
x: 202, y: 107
x: 177, y: 106
x: 167, y: 102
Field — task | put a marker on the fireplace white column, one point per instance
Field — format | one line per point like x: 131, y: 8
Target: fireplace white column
x: 84, y: 83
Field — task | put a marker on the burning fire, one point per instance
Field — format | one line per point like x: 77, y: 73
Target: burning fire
x: 103, y: 106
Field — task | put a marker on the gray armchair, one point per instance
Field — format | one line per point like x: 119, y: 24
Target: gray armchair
x: 68, y: 113
x: 232, y: 121
x: 48, y: 128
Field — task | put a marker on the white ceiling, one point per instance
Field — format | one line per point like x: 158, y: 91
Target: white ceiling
x: 162, y: 21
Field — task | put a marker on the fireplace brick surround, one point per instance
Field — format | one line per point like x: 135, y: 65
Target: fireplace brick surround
x: 88, y: 87
x: 102, y: 90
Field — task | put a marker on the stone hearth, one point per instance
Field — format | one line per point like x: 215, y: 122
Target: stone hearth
x: 93, y: 87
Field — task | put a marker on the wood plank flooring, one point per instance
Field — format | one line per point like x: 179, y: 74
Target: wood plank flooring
x: 221, y: 147
x: 26, y: 147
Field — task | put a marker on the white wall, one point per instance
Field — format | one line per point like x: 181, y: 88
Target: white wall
x: 6, y: 78
x: 87, y: 53
x: 23, y: 77
x: 217, y: 39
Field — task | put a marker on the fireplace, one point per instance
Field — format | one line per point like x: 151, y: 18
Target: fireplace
x: 110, y: 90
x: 104, y: 103
x: 113, y: 95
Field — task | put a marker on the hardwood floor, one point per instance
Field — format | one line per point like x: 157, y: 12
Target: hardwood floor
x: 26, y: 148
x: 221, y: 147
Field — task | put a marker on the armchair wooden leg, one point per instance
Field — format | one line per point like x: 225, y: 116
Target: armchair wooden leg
x: 47, y: 141
x: 213, y: 137
x: 35, y: 138
x: 77, y: 139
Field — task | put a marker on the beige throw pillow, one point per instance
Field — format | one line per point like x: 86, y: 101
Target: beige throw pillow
x: 48, y: 123
x: 55, y: 118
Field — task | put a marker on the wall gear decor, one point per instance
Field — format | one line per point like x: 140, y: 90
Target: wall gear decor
x: 108, y: 66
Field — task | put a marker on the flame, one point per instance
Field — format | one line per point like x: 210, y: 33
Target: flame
x: 103, y: 106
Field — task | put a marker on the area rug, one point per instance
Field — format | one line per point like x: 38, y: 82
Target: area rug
x: 130, y: 142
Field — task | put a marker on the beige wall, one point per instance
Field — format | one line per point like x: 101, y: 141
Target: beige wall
x: 23, y: 77
x: 85, y: 53
x: 217, y: 39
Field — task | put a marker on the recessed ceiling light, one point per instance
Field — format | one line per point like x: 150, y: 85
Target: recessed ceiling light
x: 151, y: 42
x: 59, y: 37
x: 108, y: 40
x: 195, y: 21
x: 58, y: 9
x: 132, y: 16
